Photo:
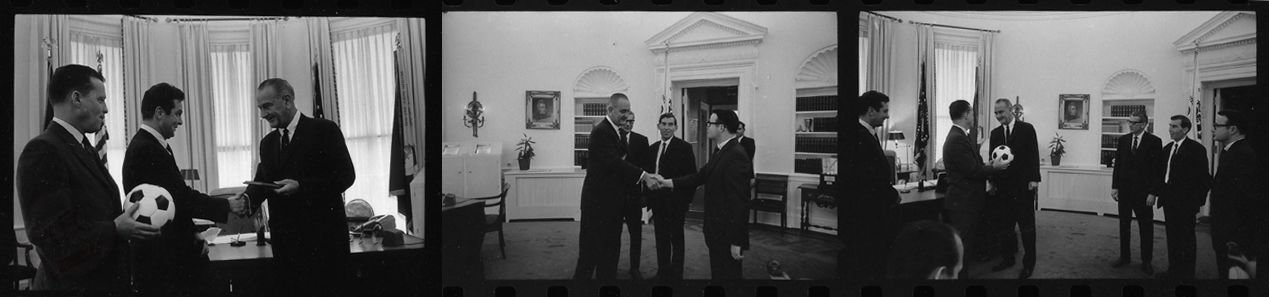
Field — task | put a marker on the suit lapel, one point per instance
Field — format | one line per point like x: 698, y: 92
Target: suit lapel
x: 299, y: 141
x: 86, y: 158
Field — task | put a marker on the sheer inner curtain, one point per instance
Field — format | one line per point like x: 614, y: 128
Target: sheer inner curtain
x: 366, y: 88
x: 954, y: 80
x: 234, y: 120
x: 84, y: 50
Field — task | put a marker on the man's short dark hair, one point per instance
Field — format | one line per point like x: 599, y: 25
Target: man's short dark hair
x: 958, y: 109
x: 612, y: 100
x: 871, y: 100
x: 742, y: 125
x: 72, y: 77
x: 1141, y: 115
x: 1185, y: 122
x: 162, y: 96
x: 728, y: 119
x: 920, y: 248
x: 1238, y: 119
x: 279, y: 85
x: 1005, y: 101
x: 668, y: 115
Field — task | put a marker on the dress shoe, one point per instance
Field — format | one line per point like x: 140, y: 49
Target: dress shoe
x: 1147, y: 268
x: 1008, y: 262
x: 1120, y: 263
x: 1025, y: 274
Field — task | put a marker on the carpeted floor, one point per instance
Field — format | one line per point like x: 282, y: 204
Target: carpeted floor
x: 1071, y: 245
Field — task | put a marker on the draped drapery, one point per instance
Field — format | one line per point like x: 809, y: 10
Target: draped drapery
x: 926, y: 112
x: 265, y: 60
x: 234, y: 113
x: 319, y: 45
x: 52, y: 41
x: 367, y: 86
x: 136, y: 71
x: 199, y: 126
x: 880, y: 52
x: 410, y: 61
x: 986, y: 99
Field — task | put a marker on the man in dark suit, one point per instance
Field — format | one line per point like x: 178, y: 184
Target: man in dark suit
x: 173, y: 263
x: 308, y: 158
x: 726, y: 179
x: 632, y: 211
x: 966, y: 174
x: 603, y: 193
x: 70, y: 204
x: 1137, y: 175
x: 1014, y: 189
x: 1238, y: 191
x: 1184, y: 190
x: 673, y: 158
x: 867, y: 221
x: 746, y: 142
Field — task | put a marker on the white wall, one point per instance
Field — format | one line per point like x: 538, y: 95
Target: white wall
x: 1039, y: 57
x: 502, y: 55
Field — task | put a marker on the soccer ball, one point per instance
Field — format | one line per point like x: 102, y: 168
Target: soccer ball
x: 157, y: 205
x: 1002, y: 154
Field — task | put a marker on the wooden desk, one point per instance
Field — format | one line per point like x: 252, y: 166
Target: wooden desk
x: 915, y: 205
x: 811, y: 193
x: 462, y: 235
x: 374, y: 267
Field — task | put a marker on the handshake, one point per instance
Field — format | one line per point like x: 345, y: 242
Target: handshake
x: 238, y: 205
x: 652, y: 181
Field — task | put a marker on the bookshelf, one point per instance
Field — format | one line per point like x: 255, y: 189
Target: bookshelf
x: 815, y: 132
x: 588, y: 112
x: 1115, y: 114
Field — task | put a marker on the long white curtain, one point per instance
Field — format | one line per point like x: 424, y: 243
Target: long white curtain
x: 319, y: 46
x: 265, y: 64
x: 954, y: 81
x: 880, y: 53
x: 236, y: 125
x: 196, y: 83
x: 84, y: 50
x: 364, y: 71
x: 136, y: 71
x: 986, y: 61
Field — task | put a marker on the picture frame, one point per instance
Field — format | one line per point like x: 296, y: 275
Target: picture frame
x: 542, y: 110
x: 1073, y: 111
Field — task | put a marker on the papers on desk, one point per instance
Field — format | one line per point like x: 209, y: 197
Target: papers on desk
x: 929, y: 184
x: 241, y: 237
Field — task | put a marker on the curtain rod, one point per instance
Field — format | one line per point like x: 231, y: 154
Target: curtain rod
x: 884, y: 16
x: 225, y: 19
x: 954, y: 27
x: 141, y: 17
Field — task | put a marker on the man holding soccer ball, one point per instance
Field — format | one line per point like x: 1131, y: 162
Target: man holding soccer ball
x: 1011, y: 200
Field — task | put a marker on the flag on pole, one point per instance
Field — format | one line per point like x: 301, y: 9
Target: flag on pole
x: 922, y: 124
x: 102, y: 135
x: 317, y: 93
x: 48, y: 61
x: 978, y: 126
x: 398, y: 178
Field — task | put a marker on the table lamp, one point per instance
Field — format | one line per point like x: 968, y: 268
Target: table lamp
x: 895, y: 136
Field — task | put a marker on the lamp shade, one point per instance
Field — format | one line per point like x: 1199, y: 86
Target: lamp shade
x: 896, y: 135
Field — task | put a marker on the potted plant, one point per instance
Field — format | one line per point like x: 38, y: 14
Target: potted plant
x: 1057, y: 148
x: 525, y: 147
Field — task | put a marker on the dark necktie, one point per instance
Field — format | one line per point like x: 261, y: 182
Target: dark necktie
x: 624, y: 139
x: 1135, y: 141
x: 1007, y: 134
x: 89, y: 147
x: 169, y: 151
x: 286, y: 138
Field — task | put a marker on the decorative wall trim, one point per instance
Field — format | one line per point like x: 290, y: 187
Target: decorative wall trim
x: 818, y: 70
x: 1128, y: 83
x: 1220, y: 22
x: 598, y: 81
x: 705, y: 28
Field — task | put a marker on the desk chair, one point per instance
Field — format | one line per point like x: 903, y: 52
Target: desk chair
x: 17, y: 272
x: 494, y: 222
x: 772, y: 185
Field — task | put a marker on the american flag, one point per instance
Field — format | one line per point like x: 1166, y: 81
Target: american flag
x: 102, y: 135
x: 923, y: 124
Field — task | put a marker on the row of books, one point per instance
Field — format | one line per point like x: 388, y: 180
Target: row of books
x: 1108, y: 158
x: 1110, y: 141
x: 820, y: 124
x: 581, y: 141
x: 579, y: 158
x: 817, y: 103
x: 808, y: 166
x: 594, y: 109
x: 1125, y: 110
x: 826, y: 145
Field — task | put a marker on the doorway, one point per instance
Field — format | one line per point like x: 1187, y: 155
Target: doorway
x: 698, y: 101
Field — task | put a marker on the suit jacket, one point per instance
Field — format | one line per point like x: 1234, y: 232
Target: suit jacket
x: 1025, y: 168
x: 1138, y: 171
x: 873, y: 196
x: 69, y: 203
x: 148, y: 162
x: 966, y: 174
x: 608, y: 174
x: 678, y: 161
x: 640, y: 157
x: 1238, y: 195
x: 747, y: 143
x: 1188, y: 185
x: 318, y: 159
x: 726, y: 179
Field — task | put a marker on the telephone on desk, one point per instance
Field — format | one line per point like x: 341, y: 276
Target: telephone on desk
x: 383, y: 226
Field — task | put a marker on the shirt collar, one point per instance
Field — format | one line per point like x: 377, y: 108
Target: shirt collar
x: 1231, y: 143
x: 295, y: 121
x: 1010, y: 125
x: 721, y: 144
x: 156, y: 134
x: 79, y: 136
x: 962, y: 128
x: 866, y: 126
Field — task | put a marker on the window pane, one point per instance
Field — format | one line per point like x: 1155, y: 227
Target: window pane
x: 366, y: 89
x: 954, y: 80
x: 84, y: 51
x: 234, y: 114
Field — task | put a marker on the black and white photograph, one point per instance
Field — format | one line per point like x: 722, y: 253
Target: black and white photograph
x: 171, y: 155
x: 543, y: 110
x: 1143, y: 168
x: 687, y: 141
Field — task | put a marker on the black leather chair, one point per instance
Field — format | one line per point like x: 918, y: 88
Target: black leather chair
x: 770, y: 185
x: 493, y: 222
x: 16, y: 272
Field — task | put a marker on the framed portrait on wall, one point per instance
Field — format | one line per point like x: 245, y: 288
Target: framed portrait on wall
x: 542, y: 110
x: 1073, y: 111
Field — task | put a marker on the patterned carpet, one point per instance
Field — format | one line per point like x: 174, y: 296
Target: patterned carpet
x: 1071, y: 245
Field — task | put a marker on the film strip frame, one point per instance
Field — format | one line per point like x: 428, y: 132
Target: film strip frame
x: 431, y: 11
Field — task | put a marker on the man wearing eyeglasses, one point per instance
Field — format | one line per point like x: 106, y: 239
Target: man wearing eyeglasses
x: 1238, y: 197
x: 1137, y: 176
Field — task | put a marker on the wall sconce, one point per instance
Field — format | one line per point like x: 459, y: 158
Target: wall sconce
x: 475, y: 116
